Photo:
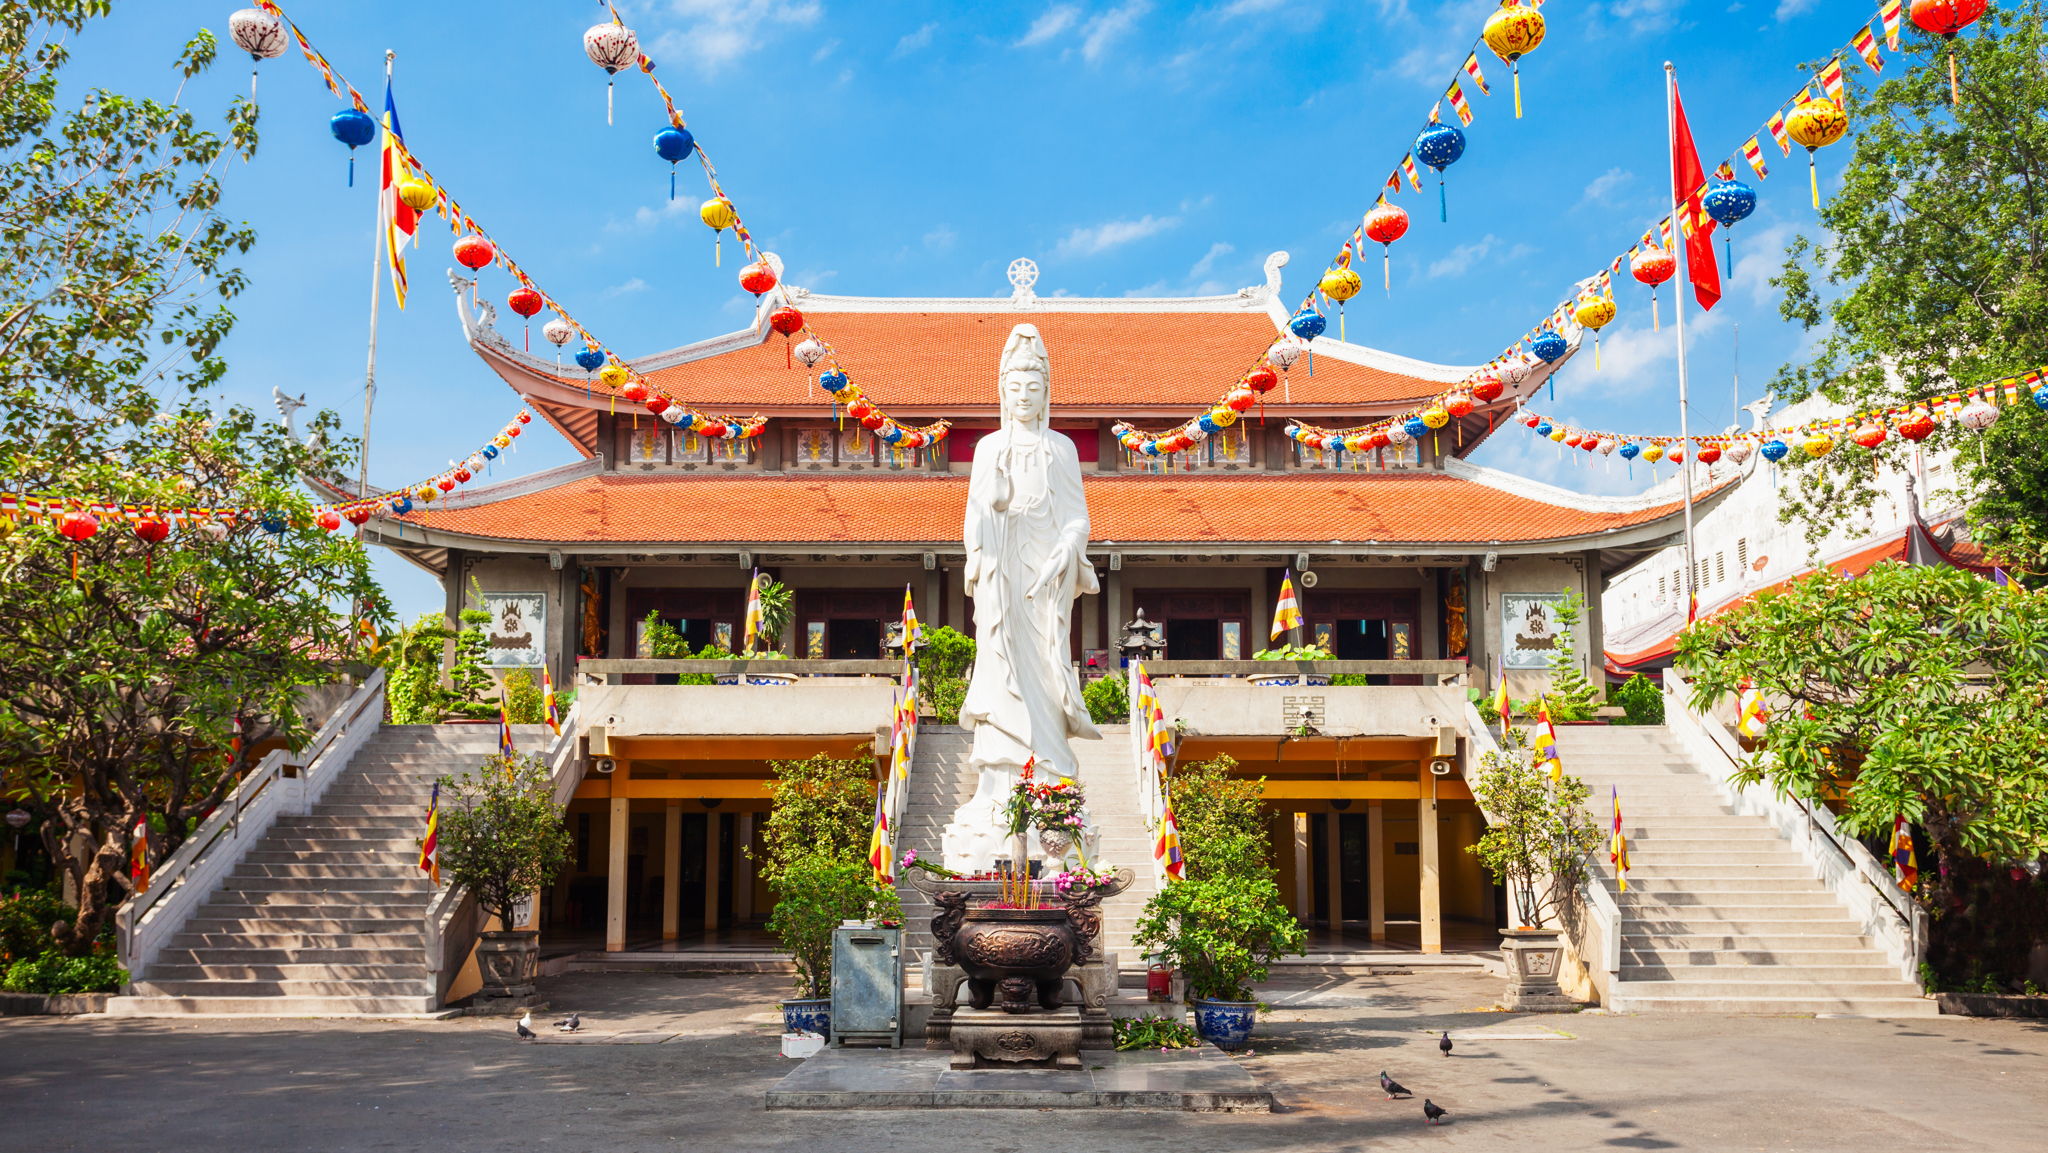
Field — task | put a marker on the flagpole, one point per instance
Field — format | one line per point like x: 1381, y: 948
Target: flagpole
x: 1678, y: 313
x: 376, y: 294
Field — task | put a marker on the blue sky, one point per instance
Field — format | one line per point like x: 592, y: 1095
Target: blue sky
x: 908, y: 148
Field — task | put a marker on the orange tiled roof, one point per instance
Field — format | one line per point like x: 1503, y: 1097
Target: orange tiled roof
x: 1398, y: 509
x: 1111, y: 363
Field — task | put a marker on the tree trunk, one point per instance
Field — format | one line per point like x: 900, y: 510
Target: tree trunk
x: 100, y: 892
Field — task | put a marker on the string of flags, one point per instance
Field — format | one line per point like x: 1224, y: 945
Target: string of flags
x: 79, y: 519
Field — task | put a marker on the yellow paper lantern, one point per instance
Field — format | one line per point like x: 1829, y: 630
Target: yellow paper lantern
x: 1435, y: 417
x: 1513, y: 32
x: 1595, y: 312
x: 718, y: 215
x: 1819, y: 444
x: 1653, y: 453
x: 1341, y: 284
x: 427, y: 493
x: 416, y: 194
x: 1816, y: 123
x: 1223, y: 416
x: 1557, y: 434
x: 614, y: 375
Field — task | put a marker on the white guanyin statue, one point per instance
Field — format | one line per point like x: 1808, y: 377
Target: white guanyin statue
x: 1027, y: 538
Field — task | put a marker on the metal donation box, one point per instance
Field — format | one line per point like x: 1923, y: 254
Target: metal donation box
x: 867, y: 985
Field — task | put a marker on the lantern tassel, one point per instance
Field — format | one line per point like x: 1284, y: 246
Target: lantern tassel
x: 1955, y: 93
x: 1443, y: 205
x: 1340, y: 320
x: 608, y: 101
x: 1387, y: 268
x: 351, y: 168
x: 718, y: 249
x: 1656, y: 322
x: 1515, y: 67
x: 1813, y: 179
x: 1596, y: 352
x: 671, y: 182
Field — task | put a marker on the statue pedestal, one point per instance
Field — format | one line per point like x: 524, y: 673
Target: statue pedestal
x: 983, y: 1037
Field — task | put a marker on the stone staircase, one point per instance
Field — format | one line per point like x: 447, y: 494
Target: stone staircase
x: 940, y: 782
x: 324, y: 915
x: 1722, y: 914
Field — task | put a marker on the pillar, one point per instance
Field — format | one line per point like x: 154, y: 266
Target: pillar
x: 1304, y: 889
x: 615, y: 864
x: 713, y: 858
x: 1333, y: 863
x: 672, y: 871
x: 1432, y: 881
x: 1375, y: 869
x: 743, y: 864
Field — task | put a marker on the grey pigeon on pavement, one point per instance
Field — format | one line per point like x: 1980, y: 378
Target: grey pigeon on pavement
x: 1445, y: 1044
x: 570, y: 1023
x: 525, y: 1026
x: 1432, y: 1113
x: 1392, y: 1088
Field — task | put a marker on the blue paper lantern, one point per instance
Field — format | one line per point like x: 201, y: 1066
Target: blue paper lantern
x: 1729, y: 202
x: 1308, y: 324
x: 1207, y: 423
x: 2041, y: 397
x: 1631, y: 451
x: 1439, y: 146
x: 402, y: 505
x: 274, y: 523
x: 355, y: 129
x: 1774, y: 450
x: 1549, y: 346
x: 590, y: 360
x: 889, y: 434
x: 686, y: 420
x: 1416, y: 427
x: 1151, y: 448
x: 1543, y: 429
x: 674, y: 145
x: 490, y: 452
x: 832, y: 380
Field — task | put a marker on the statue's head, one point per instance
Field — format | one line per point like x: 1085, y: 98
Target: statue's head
x: 1025, y: 380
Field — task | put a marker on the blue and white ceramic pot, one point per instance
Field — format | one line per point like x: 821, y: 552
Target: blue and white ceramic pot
x: 1227, y: 1024
x: 808, y: 1015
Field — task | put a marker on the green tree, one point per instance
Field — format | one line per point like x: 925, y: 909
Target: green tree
x: 1108, y: 700
x: 1932, y: 275
x: 823, y: 806
x: 1538, y: 832
x: 1222, y: 824
x: 815, y: 894
x: 469, y: 680
x: 523, y: 700
x: 501, y: 835
x: 412, y: 662
x: 1572, y: 697
x: 140, y: 685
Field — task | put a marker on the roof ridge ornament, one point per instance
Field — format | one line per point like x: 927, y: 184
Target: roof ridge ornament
x: 1258, y: 294
x: 1023, y: 273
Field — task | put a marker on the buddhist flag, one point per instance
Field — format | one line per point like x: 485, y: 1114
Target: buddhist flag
x: 547, y: 700
x: 1408, y: 169
x: 400, y: 220
x: 504, y: 731
x: 1166, y: 848
x: 878, y: 841
x: 430, y: 845
x: 1287, y: 613
x: 753, y: 628
x: 1889, y: 16
x: 1545, y: 743
x: 1776, y: 127
x: 1903, y: 858
x: 1500, y: 691
x: 1688, y: 183
x: 913, y: 634
x: 1831, y: 78
x: 1753, y: 720
x: 1459, y: 104
x: 1753, y: 152
x: 138, y: 855
x: 1866, y: 46
x: 1472, y: 70
x: 1617, y: 848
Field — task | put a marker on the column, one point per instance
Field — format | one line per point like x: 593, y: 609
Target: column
x: 1113, y: 608
x: 1432, y: 882
x: 713, y: 858
x: 1375, y: 869
x: 1333, y: 864
x: 743, y: 865
x: 672, y: 871
x: 615, y: 865
x: 1304, y: 889
x: 1593, y: 623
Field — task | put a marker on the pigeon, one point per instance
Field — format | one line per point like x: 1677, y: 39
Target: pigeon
x: 570, y: 1023
x: 1393, y: 1088
x: 1432, y: 1113
x: 525, y: 1026
x: 1445, y: 1044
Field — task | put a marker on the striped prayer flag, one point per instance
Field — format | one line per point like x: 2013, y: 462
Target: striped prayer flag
x: 430, y: 845
x: 1479, y: 78
x: 1166, y: 846
x: 1889, y: 16
x: 1287, y: 612
x: 1753, y: 720
x: 1456, y: 96
x: 1408, y: 170
x: 1664, y: 234
x: 1754, y: 153
x: 913, y: 634
x: 1393, y: 185
x: 1866, y: 46
x: 400, y: 219
x: 1500, y: 691
x: 753, y: 623
x: 1545, y: 744
x: 138, y: 855
x: 547, y: 700
x: 1617, y: 847
x: 1776, y: 127
x: 1618, y: 261
x: 504, y: 731
x: 1831, y: 79
x: 1903, y: 857
x: 1436, y: 112
x: 878, y: 840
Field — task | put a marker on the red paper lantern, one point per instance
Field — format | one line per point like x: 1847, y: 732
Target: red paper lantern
x: 1870, y: 434
x: 78, y: 526
x: 150, y: 530
x: 1386, y: 223
x: 1917, y: 426
x: 873, y: 421
x: 634, y: 391
x: 524, y: 301
x: 1487, y: 388
x: 328, y: 520
x: 1532, y: 420
x: 860, y: 409
x: 711, y: 428
x: 1380, y: 439
x: 657, y: 404
x: 1240, y: 399
x: 513, y: 431
x: 1458, y: 404
x: 757, y: 277
x: 446, y: 484
x: 786, y: 320
x: 1572, y: 441
x: 526, y: 418
x: 1945, y: 18
x: 473, y: 252
x: 462, y: 475
x: 1589, y: 443
x: 1709, y: 454
x: 1653, y: 266
x: 358, y: 515
x: 1675, y: 455
x: 1262, y: 379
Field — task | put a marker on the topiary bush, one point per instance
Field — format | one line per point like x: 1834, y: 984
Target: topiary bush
x: 1108, y: 700
x: 523, y: 700
x: 1642, y: 701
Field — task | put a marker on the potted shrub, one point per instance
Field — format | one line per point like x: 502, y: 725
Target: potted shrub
x: 777, y: 608
x: 1292, y: 677
x: 1538, y: 834
x: 814, y: 894
x: 501, y: 836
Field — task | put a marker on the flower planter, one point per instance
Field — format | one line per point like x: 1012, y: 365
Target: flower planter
x: 507, y: 961
x: 1289, y: 680
x: 1227, y: 1024
x: 808, y: 1015
x: 1534, y: 957
x: 755, y: 678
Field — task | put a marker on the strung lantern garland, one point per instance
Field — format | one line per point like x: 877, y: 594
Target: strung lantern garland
x: 474, y: 249
x: 78, y: 519
x: 1975, y: 408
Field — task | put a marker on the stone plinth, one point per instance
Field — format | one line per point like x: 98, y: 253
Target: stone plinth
x: 982, y: 1038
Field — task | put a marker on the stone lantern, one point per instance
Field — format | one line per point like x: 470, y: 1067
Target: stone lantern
x: 1143, y: 640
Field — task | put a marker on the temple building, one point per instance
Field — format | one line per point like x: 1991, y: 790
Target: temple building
x: 1409, y: 555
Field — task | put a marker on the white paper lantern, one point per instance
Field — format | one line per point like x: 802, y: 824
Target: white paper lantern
x: 1978, y: 415
x: 558, y: 331
x: 1398, y: 434
x: 258, y: 33
x: 611, y: 47
x: 1739, y: 451
x: 1284, y: 353
x: 673, y: 413
x: 1513, y: 371
x: 809, y: 351
x: 1607, y: 446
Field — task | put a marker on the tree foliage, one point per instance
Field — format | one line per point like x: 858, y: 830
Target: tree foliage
x: 822, y: 806
x: 1932, y: 273
x: 1571, y: 697
x: 1222, y: 825
x: 815, y: 894
x: 1538, y: 833
x: 501, y: 834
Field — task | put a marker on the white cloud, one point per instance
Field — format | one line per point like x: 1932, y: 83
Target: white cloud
x: 1431, y: 59
x: 645, y: 217
x: 1787, y: 9
x: 1634, y: 356
x: 1086, y: 242
x: 940, y: 239
x: 717, y: 33
x: 1649, y: 16
x: 1199, y: 281
x: 1598, y: 187
x: 824, y: 50
x: 1216, y: 252
x: 627, y: 289
x: 1464, y: 257
x: 1251, y: 7
x: 1103, y: 31
x: 915, y: 41
x: 1050, y: 23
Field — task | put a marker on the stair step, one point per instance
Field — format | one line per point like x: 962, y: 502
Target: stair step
x: 389, y: 888
x: 196, y: 947
x: 1749, y: 1003
x: 288, y: 971
x: 1684, y: 962
x: 1830, y: 975
x: 417, y: 986
x: 216, y: 921
x: 396, y: 867
x: 1683, y: 903
x: 1823, y: 936
x: 269, y: 1006
x: 1736, y: 988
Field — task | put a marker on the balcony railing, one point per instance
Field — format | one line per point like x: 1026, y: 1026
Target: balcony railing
x: 1431, y: 672
x: 613, y: 672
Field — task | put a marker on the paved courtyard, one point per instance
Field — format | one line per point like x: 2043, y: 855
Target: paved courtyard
x: 1529, y: 1083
